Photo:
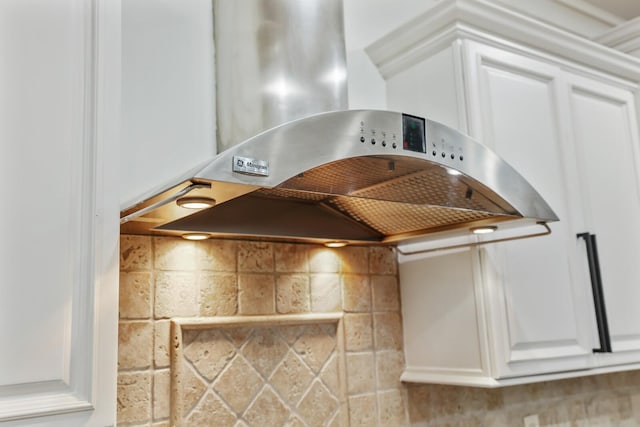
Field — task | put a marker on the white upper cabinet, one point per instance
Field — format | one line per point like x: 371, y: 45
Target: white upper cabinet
x: 524, y: 310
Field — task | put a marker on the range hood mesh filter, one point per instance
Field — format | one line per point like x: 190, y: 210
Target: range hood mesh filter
x: 391, y: 218
x: 395, y: 179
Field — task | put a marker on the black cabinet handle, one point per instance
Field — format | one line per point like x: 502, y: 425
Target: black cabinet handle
x: 598, y: 294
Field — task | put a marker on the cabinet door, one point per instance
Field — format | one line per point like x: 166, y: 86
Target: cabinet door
x: 539, y: 315
x: 604, y: 127
x: 59, y: 111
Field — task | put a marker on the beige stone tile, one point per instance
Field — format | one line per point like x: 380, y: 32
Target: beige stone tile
x: 267, y: 409
x: 323, y: 260
x: 134, y: 397
x: 161, y: 343
x: 255, y: 257
x: 389, y: 366
x: 382, y: 260
x: 387, y: 330
x: 360, y: 373
x: 292, y: 293
x: 318, y: 406
x: 210, y: 412
x: 363, y: 411
x: 238, y: 335
x: 161, y: 394
x: 326, y: 295
x: 355, y: 259
x: 265, y: 350
x: 176, y: 294
x: 135, y: 295
x: 292, y: 378
x: 217, y: 255
x: 256, y: 294
x: 356, y: 293
x: 315, y: 345
x: 135, y: 345
x: 238, y: 384
x: 329, y: 375
x: 174, y: 254
x: 392, y: 409
x: 210, y: 352
x: 386, y: 296
x: 161, y: 424
x: 291, y: 258
x: 358, y: 330
x: 189, y: 389
x: 294, y: 421
x: 218, y: 294
x: 135, y: 253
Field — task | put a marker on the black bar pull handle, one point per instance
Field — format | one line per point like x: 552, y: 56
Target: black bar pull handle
x: 598, y: 294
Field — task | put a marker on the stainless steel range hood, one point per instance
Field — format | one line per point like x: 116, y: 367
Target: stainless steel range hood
x: 313, y: 176
x: 352, y: 176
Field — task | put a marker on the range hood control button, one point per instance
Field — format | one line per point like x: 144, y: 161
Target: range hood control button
x: 394, y: 145
x: 443, y: 155
x: 373, y: 141
x: 384, y: 143
x: 362, y: 139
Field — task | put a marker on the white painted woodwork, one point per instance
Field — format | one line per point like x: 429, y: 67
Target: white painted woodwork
x: 58, y: 274
x: 567, y: 122
x: 605, y: 131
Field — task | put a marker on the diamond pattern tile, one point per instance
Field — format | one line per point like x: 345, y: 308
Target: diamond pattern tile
x: 259, y: 376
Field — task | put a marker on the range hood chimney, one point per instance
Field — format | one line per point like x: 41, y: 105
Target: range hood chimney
x: 276, y: 61
x: 294, y: 165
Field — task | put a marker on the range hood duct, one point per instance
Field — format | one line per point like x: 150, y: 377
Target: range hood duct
x: 294, y: 165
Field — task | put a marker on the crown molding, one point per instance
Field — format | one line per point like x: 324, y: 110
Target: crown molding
x: 482, y: 20
x: 588, y: 9
x: 624, y: 37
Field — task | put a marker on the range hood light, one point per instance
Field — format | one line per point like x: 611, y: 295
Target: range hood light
x: 196, y: 236
x: 453, y: 172
x: 195, y: 202
x: 484, y: 230
x: 336, y: 244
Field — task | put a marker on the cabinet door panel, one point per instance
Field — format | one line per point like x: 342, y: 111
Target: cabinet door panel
x: 539, y: 315
x: 603, y: 118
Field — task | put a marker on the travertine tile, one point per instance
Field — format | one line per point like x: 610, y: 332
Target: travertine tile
x: 161, y: 394
x: 166, y: 423
x: 135, y: 295
x: 218, y: 294
x: 291, y: 258
x: 135, y: 345
x: 161, y: 343
x: 176, y: 294
x: 315, y: 345
x: 190, y: 388
x: 358, y: 329
x: 135, y: 253
x: 386, y: 296
x: 217, y: 255
x: 174, y: 254
x: 360, y: 373
x: 382, y: 260
x: 134, y: 397
x: 355, y: 259
x: 265, y: 350
x: 326, y: 295
x: 356, y: 293
x: 294, y: 421
x: 238, y: 384
x: 210, y: 352
x: 318, y: 406
x: 292, y: 378
x: 255, y: 257
x: 387, y: 330
x: 211, y: 412
x: 391, y: 407
x: 256, y: 294
x: 267, y: 409
x: 292, y: 293
x: 330, y: 376
x: 323, y: 260
x: 389, y: 366
x: 363, y: 411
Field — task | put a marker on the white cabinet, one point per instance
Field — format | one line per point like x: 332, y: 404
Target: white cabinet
x: 523, y: 311
x: 59, y: 120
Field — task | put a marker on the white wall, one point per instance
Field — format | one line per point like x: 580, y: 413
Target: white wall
x: 168, y: 115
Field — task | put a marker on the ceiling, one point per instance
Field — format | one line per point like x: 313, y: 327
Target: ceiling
x: 625, y: 9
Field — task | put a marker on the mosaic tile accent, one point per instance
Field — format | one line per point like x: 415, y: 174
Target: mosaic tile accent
x: 259, y: 371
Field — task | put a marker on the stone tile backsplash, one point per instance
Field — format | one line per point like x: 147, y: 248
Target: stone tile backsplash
x: 165, y: 280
